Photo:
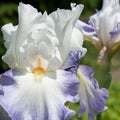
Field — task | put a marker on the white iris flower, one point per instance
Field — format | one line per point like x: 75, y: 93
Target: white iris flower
x: 103, y: 28
x: 36, y: 87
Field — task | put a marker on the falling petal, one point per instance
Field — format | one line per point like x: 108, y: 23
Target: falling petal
x: 26, y: 96
x: 92, y: 98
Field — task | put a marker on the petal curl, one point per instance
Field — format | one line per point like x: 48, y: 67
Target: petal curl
x: 30, y: 97
x: 92, y: 98
x: 9, y: 33
x: 115, y: 33
x: 88, y: 31
x: 77, y: 41
x: 28, y: 17
x: 72, y: 62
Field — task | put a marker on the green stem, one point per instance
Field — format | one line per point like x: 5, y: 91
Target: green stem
x: 99, y: 117
x: 104, y: 76
x: 103, y: 72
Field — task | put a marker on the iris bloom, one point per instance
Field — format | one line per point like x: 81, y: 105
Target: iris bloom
x: 103, y: 27
x: 40, y: 82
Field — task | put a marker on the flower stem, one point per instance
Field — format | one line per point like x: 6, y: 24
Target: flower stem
x: 104, y: 76
x: 99, y: 117
x: 103, y: 72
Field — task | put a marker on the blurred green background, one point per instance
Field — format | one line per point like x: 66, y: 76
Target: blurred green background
x: 9, y: 14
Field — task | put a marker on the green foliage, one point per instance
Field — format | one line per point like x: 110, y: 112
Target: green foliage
x: 113, y: 111
x: 8, y: 13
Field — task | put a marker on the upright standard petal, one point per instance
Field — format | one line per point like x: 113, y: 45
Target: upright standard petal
x: 92, y: 98
x: 37, y: 33
x: 101, y: 22
x: 77, y: 41
x: 15, y: 35
x: 30, y: 97
x: 64, y: 22
x: 25, y: 26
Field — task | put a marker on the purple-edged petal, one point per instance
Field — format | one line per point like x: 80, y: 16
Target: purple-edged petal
x: 92, y: 98
x: 69, y: 84
x: 1, y: 92
x: 72, y: 61
x: 115, y: 33
x: 6, y: 79
x: 32, y: 97
x: 88, y: 31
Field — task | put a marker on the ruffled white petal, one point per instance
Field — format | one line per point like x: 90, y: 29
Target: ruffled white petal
x: 9, y: 33
x: 64, y: 21
x: 77, y: 41
x: 45, y: 36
